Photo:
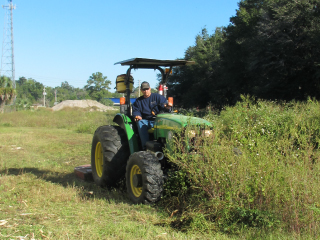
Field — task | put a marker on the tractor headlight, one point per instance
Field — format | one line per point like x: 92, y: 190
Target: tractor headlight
x: 191, y: 133
x: 207, y: 133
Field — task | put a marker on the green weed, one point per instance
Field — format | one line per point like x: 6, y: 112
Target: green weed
x: 6, y: 124
x: 259, y: 170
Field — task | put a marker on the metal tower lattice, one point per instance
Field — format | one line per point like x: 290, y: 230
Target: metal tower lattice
x: 7, y: 60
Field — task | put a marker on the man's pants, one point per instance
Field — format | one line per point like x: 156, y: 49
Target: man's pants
x: 143, y: 126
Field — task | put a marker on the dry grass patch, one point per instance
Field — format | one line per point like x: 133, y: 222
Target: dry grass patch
x: 82, y: 121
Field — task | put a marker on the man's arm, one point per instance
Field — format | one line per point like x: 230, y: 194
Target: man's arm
x: 164, y: 102
x: 136, y: 112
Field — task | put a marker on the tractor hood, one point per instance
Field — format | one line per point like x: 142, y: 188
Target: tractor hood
x: 170, y: 122
x: 181, y: 120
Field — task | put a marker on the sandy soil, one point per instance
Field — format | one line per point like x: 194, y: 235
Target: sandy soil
x: 93, y: 105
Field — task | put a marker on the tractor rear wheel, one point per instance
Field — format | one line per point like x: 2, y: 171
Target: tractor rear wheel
x: 144, y: 178
x: 109, y: 155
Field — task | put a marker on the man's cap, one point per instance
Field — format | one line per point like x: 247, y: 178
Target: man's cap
x: 145, y: 85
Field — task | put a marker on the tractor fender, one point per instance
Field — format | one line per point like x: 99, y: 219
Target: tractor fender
x: 127, y: 125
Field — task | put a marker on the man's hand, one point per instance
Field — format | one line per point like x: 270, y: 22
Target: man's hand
x: 137, y: 118
x: 168, y: 105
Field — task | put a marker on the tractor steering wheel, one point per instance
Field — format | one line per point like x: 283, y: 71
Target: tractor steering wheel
x: 161, y: 109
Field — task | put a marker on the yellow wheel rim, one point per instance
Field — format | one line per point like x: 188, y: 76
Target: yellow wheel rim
x: 99, y: 159
x: 135, y: 170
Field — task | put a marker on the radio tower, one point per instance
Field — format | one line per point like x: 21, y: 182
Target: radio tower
x: 7, y: 60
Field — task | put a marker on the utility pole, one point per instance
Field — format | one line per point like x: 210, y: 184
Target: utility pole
x: 44, y: 96
x: 55, y: 95
x: 139, y: 87
x: 7, y: 59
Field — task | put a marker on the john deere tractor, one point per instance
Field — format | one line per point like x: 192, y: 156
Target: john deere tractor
x: 116, y: 149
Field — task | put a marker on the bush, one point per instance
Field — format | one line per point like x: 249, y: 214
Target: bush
x: 22, y: 104
x: 106, y: 102
x: 259, y: 169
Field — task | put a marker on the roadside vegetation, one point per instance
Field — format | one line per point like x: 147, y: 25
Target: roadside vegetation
x: 256, y: 177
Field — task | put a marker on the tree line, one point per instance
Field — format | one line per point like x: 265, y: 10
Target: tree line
x: 29, y: 92
x: 270, y: 50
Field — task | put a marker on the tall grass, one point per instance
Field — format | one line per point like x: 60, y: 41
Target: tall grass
x: 256, y: 176
x: 259, y: 170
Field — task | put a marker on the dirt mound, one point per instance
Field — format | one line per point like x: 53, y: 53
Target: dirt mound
x: 94, y: 105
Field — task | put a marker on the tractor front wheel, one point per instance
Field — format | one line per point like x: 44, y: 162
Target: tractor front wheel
x: 144, y: 178
x: 109, y: 155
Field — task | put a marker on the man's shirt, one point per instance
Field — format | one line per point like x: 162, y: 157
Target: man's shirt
x: 143, y: 106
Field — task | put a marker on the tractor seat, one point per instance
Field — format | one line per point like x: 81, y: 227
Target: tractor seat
x: 151, y: 130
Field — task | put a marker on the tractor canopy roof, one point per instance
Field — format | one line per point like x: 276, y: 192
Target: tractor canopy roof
x: 153, y: 63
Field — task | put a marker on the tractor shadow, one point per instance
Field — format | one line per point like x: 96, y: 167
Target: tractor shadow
x: 86, y: 188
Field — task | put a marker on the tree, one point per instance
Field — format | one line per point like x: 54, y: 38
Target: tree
x: 65, y: 92
x: 98, y: 86
x: 235, y: 52
x: 285, y: 53
x: 29, y: 89
x: 68, y: 92
x: 7, y: 92
x: 199, y: 84
x: 272, y: 49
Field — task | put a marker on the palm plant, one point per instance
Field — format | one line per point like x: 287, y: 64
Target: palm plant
x: 7, y: 92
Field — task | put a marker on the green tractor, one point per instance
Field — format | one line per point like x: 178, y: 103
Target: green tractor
x: 116, y: 149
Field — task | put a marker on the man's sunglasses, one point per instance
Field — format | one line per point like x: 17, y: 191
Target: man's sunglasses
x: 145, y: 89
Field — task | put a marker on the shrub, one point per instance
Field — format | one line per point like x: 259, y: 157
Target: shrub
x: 22, y: 104
x: 106, y: 102
x: 259, y: 169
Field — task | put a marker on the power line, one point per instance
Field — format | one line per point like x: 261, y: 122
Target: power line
x: 48, y: 77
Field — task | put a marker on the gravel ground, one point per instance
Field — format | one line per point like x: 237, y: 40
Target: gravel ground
x: 94, y: 105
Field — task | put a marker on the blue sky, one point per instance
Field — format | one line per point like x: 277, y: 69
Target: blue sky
x: 57, y: 41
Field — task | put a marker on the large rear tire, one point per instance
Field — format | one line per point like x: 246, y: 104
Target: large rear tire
x: 144, y: 178
x: 109, y: 155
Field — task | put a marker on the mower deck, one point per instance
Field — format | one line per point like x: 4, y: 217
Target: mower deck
x: 84, y: 172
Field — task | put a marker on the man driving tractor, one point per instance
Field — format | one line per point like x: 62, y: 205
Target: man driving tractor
x: 116, y: 153
x: 145, y: 108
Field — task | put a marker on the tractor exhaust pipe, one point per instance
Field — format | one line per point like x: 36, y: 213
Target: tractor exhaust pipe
x: 155, y: 148
x: 159, y: 155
